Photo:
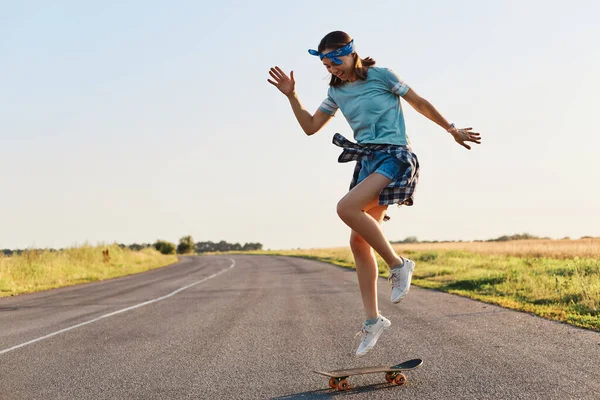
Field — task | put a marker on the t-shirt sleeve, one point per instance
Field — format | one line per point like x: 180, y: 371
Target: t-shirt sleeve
x: 395, y: 83
x: 329, y: 106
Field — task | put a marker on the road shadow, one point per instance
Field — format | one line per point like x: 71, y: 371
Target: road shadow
x: 333, y: 393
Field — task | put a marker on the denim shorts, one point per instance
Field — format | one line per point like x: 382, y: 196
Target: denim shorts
x: 381, y: 162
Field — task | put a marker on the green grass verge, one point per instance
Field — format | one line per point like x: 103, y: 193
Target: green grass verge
x: 566, y: 290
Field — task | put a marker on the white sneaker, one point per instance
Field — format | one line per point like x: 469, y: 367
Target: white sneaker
x: 400, y: 278
x: 371, y: 334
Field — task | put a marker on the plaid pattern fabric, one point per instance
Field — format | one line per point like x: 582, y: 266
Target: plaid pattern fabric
x: 399, y: 192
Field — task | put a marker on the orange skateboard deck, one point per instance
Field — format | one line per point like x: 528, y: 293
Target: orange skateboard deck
x: 339, y: 378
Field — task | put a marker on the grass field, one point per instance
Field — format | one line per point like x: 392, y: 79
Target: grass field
x: 37, y: 270
x: 555, y: 279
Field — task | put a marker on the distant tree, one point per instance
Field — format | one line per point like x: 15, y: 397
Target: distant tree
x: 252, y: 246
x: 522, y: 236
x: 186, y: 245
x: 223, y: 246
x: 165, y: 247
x: 409, y: 239
x: 204, y: 247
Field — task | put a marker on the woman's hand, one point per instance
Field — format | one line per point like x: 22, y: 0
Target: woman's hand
x: 282, y: 82
x: 463, y: 135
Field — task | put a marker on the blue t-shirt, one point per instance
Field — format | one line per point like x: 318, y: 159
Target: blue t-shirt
x: 371, y: 107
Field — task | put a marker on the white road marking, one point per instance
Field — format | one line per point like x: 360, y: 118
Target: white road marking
x: 118, y: 311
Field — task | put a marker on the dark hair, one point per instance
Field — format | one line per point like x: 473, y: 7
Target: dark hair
x: 337, y: 39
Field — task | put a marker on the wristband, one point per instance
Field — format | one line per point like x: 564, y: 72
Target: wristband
x: 452, y: 127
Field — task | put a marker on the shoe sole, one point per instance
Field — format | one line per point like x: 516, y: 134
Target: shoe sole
x: 399, y: 299
x: 368, y: 349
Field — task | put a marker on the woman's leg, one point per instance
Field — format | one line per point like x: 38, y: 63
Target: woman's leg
x: 351, y: 210
x: 366, y: 265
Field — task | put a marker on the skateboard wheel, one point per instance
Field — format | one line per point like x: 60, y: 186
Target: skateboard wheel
x: 389, y: 376
x: 400, y: 379
x: 333, y: 383
x: 343, y: 385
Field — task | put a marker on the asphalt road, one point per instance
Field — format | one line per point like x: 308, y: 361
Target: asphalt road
x: 254, y: 327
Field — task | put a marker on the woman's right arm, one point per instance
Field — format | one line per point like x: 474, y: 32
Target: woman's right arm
x: 310, y: 124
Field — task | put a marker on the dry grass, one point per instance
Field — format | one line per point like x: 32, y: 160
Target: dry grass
x: 563, y: 249
x: 36, y: 270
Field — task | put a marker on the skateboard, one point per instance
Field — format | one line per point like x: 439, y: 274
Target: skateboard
x: 339, y: 378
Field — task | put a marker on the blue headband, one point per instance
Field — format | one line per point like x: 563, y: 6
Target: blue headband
x: 342, y: 51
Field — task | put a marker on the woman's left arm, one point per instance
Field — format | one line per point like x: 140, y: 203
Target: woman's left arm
x: 427, y: 109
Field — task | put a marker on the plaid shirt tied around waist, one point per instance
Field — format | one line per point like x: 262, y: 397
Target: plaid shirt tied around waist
x: 400, y: 191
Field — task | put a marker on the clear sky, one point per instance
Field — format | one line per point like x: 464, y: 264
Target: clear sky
x: 132, y: 121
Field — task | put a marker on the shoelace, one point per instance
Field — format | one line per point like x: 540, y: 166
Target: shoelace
x: 364, y: 331
x: 394, y: 278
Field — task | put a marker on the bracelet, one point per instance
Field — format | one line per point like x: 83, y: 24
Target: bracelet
x: 452, y: 126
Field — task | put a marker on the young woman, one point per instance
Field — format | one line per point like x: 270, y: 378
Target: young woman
x: 386, y: 171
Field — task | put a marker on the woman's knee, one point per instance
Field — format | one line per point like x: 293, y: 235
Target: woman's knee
x: 358, y: 244
x: 343, y: 208
x: 346, y: 208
